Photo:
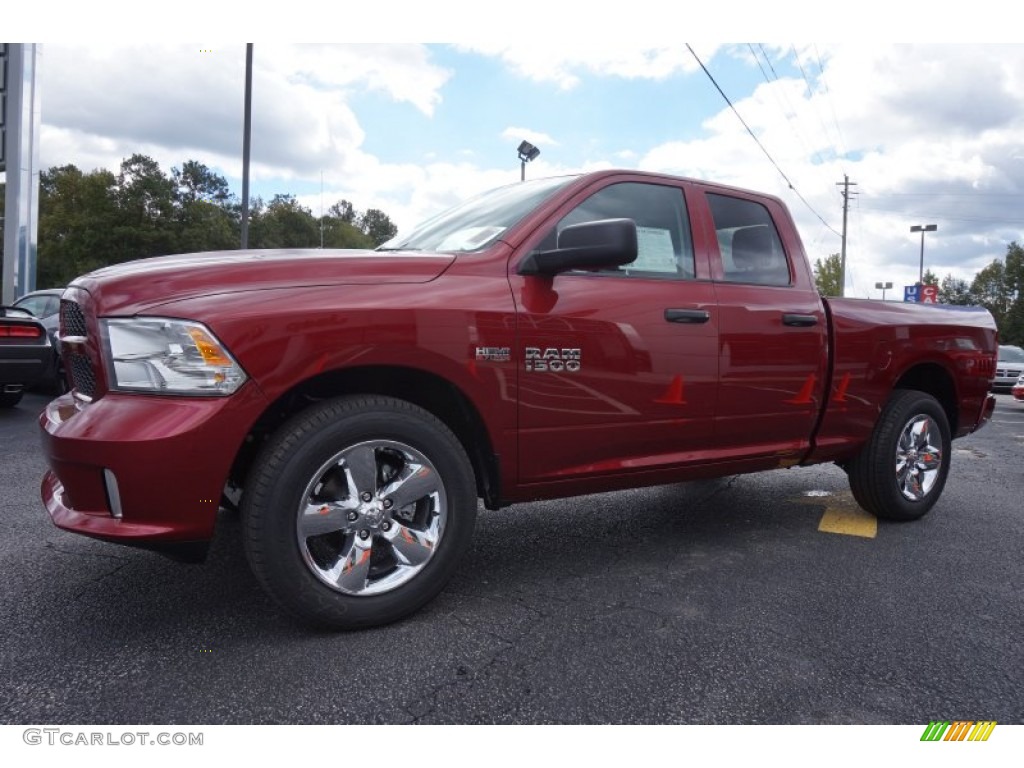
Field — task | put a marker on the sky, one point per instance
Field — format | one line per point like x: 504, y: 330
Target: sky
x: 930, y: 132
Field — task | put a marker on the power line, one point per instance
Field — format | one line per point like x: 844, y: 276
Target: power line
x: 831, y: 103
x: 763, y: 53
x: 810, y: 99
x: 787, y: 109
x: 758, y: 141
x: 763, y: 73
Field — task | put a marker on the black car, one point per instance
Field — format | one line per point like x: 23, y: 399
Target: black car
x: 26, y: 354
x: 45, y: 306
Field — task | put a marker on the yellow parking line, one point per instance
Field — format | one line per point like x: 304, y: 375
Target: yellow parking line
x: 851, y: 522
x: 842, y: 514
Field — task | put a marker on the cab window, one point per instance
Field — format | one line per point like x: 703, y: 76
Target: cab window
x: 748, y: 242
x: 664, y: 245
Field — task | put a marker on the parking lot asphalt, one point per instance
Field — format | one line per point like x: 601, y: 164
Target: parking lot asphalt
x: 711, y: 602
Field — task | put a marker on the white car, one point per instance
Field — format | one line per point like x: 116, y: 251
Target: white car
x: 1009, y: 368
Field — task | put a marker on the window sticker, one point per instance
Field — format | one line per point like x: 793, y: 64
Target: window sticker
x: 655, y: 251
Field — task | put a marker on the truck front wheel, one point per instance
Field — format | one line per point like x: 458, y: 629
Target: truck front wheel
x: 358, y: 510
x: 901, y: 471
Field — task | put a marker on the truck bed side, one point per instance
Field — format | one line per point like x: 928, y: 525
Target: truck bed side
x: 876, y: 347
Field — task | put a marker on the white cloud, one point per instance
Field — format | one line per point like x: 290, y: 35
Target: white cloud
x: 564, y: 64
x: 931, y: 134
x: 178, y: 102
x: 404, y: 72
x: 934, y: 134
x: 534, y: 137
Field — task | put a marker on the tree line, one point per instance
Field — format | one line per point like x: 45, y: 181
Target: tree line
x: 999, y: 287
x: 90, y: 220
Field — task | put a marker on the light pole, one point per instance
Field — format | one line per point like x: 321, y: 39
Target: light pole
x: 246, y: 139
x: 883, y: 287
x: 527, y: 152
x: 922, y: 228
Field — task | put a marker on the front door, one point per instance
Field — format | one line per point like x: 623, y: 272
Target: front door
x: 618, y: 368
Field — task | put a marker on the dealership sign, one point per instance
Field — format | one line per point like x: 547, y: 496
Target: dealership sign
x: 924, y: 294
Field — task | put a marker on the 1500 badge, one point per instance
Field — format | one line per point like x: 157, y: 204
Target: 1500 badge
x: 553, y: 359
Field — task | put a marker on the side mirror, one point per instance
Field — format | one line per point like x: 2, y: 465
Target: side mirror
x: 601, y: 244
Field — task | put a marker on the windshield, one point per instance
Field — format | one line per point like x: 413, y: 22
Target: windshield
x: 479, y: 221
x: 1011, y: 354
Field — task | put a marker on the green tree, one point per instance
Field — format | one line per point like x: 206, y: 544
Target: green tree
x: 283, y: 223
x: 342, y: 234
x: 206, y: 215
x: 376, y: 224
x: 929, y: 278
x: 90, y: 220
x: 955, y: 290
x: 989, y: 290
x: 827, y: 275
x: 1014, y: 269
x: 194, y: 182
x: 79, y: 216
x: 145, y: 197
x: 1011, y: 330
x: 343, y: 211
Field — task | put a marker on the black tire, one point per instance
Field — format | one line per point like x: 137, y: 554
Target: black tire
x: 59, y: 383
x: 334, y: 551
x: 10, y: 399
x: 900, y: 472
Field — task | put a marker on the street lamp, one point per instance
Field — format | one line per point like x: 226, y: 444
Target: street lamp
x: 922, y: 228
x: 527, y: 152
x: 883, y: 287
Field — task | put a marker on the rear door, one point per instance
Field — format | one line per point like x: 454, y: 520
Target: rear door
x: 618, y: 368
x: 773, y: 332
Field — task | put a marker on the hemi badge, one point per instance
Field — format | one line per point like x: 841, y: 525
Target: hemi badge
x: 493, y: 354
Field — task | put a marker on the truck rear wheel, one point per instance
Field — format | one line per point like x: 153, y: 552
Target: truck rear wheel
x: 357, y: 511
x: 901, y: 471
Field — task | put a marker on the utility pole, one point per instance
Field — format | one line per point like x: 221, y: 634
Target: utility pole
x: 845, y: 184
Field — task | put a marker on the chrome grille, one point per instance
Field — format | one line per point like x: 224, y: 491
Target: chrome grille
x: 76, y: 361
x: 72, y: 319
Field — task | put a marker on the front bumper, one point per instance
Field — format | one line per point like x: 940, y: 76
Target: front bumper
x: 1005, y: 380
x: 142, y: 470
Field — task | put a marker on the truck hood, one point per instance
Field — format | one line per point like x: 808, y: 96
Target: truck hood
x: 133, y: 286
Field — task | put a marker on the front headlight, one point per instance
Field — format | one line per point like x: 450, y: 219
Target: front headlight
x: 159, y: 354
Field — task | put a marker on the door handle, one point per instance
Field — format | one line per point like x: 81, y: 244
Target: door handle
x: 799, y: 321
x: 689, y: 316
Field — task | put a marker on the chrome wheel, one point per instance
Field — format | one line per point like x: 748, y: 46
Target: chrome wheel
x: 910, y: 445
x: 371, y: 517
x: 918, y: 457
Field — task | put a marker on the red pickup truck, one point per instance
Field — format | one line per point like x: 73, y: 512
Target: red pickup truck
x: 551, y: 338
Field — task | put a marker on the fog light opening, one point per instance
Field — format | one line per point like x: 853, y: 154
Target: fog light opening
x: 113, y: 494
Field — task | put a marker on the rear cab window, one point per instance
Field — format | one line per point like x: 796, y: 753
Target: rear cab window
x: 748, y: 242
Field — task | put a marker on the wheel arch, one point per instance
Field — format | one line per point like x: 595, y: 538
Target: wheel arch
x: 935, y: 380
x: 432, y: 392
